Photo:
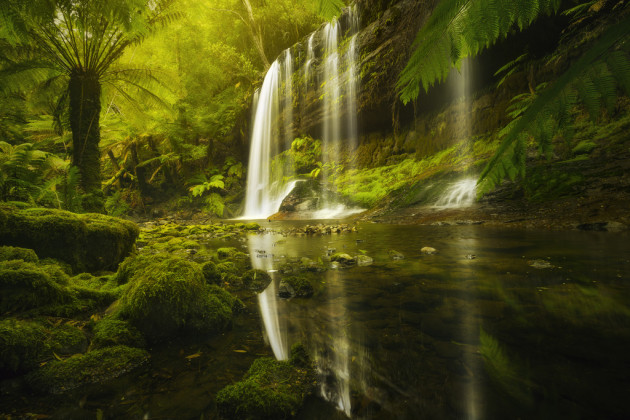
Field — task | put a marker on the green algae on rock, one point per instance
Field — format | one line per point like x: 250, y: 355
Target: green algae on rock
x: 88, y: 242
x: 270, y: 389
x: 96, y: 366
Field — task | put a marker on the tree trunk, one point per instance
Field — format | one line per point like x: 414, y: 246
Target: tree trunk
x: 85, y: 111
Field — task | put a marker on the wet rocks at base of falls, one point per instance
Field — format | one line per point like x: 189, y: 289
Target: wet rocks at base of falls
x: 319, y: 229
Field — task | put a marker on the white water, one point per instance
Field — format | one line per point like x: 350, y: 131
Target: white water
x: 266, y: 184
x: 260, y: 198
x: 459, y: 194
x: 310, y: 55
x: 287, y: 75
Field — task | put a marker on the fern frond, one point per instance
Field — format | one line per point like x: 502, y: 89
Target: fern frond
x: 330, y: 9
x: 462, y: 28
x: 590, y: 79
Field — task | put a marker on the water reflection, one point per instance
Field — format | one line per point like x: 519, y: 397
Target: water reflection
x: 473, y: 331
x: 261, y: 255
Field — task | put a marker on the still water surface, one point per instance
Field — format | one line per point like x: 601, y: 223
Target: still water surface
x: 472, y: 332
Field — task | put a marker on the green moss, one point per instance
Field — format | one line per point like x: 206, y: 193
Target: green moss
x: 211, y: 273
x: 230, y: 253
x: 96, y: 366
x: 110, y: 332
x: 257, y: 280
x: 270, y: 389
x: 251, y: 226
x: 22, y: 345
x: 302, y: 285
x: 8, y: 253
x: 169, y: 296
x: 584, y: 147
x: 134, y: 263
x: 26, y: 286
x: 66, y: 339
x: 88, y: 242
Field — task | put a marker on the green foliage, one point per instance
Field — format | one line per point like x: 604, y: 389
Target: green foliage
x: 115, y: 206
x: 330, y: 9
x: 592, y: 81
x: 97, y: 366
x: 463, y: 28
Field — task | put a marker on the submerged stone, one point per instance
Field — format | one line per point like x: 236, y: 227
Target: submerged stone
x: 428, y: 250
x: 363, y: 260
x: 256, y: 280
x: 395, y: 255
x: 343, y: 258
x: 539, y: 264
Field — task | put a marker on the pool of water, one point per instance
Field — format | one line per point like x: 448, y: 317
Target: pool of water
x: 496, y: 324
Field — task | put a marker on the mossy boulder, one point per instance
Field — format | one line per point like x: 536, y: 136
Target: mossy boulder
x: 296, y: 286
x: 110, y: 332
x: 88, y: 242
x: 8, y: 253
x: 343, y: 258
x: 256, y: 280
x: 22, y: 345
x: 135, y: 263
x: 211, y: 273
x: 270, y: 389
x: 97, y: 366
x: 251, y: 226
x: 25, y: 285
x: 25, y: 343
x: 170, y: 296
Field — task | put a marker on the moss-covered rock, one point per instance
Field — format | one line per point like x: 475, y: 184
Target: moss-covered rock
x: 8, y: 253
x: 22, y: 345
x: 256, y: 280
x: 342, y: 258
x: 135, y: 263
x: 230, y: 253
x: 96, y: 366
x: 296, y: 286
x: 66, y: 339
x: 170, y: 296
x: 25, y: 286
x: 110, y: 332
x: 251, y: 226
x: 211, y: 273
x: 88, y: 242
x: 270, y: 389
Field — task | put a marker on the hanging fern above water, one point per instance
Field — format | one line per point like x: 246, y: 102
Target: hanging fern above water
x: 591, y: 81
x: 459, y: 29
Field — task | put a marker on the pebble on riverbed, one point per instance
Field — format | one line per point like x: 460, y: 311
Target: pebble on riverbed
x: 539, y: 264
x: 428, y: 250
x: 395, y: 255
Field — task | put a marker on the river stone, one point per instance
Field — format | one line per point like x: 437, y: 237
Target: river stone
x: 363, y: 260
x: 343, y: 258
x: 285, y: 290
x: 395, y: 255
x: 539, y: 264
x: 428, y: 250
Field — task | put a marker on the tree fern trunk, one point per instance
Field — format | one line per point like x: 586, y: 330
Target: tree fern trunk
x: 85, y: 111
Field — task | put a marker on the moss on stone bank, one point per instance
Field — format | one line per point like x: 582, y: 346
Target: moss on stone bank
x: 270, y: 389
x: 88, y: 242
x: 93, y: 367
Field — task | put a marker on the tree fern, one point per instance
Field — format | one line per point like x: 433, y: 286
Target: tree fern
x: 461, y: 28
x: 329, y: 9
x: 592, y: 81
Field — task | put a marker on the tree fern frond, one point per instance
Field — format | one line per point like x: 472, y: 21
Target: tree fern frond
x: 329, y: 9
x: 462, y: 28
x: 585, y: 78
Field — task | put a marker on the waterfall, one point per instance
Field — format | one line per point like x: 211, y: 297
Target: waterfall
x: 459, y: 194
x: 288, y: 99
x: 310, y: 55
x: 266, y: 182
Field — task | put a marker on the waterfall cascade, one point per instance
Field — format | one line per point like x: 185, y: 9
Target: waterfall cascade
x: 267, y: 184
x: 459, y: 194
